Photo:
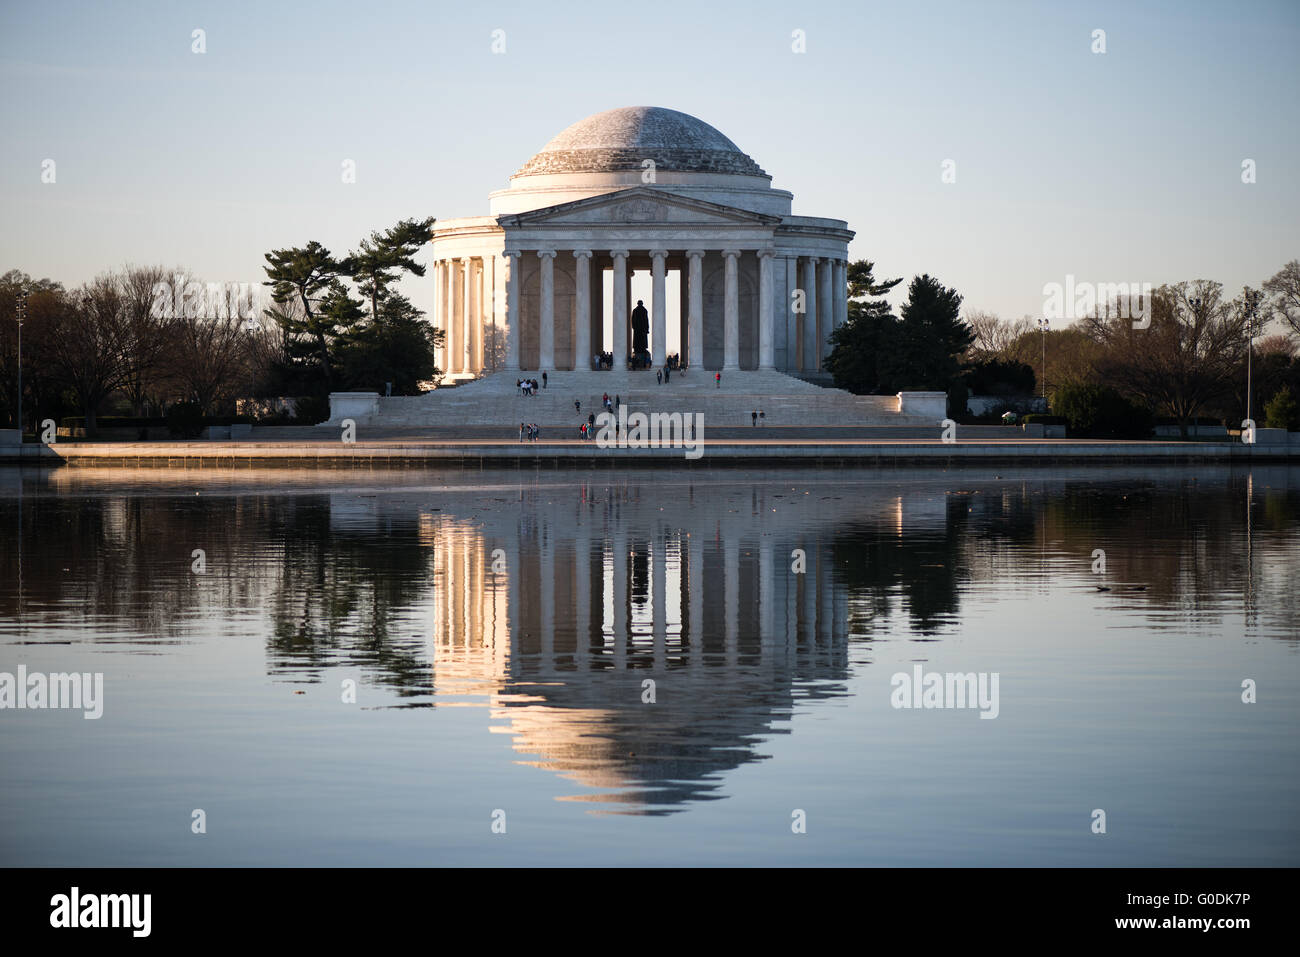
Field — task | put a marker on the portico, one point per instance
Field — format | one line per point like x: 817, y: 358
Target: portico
x: 639, y: 189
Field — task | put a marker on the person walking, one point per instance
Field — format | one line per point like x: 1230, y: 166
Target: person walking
x: 659, y: 376
x: 617, y: 402
x: 753, y: 417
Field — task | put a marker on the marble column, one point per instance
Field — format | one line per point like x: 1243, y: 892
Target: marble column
x: 731, y: 313
x: 766, y: 348
x: 825, y: 309
x: 480, y: 313
x: 841, y: 293
x: 695, y: 311
x: 789, y: 316
x: 466, y: 315
x: 512, y: 310
x: 658, y: 307
x: 487, y: 317
x: 453, y: 322
x: 684, y: 310
x: 439, y: 314
x: 810, y: 351
x: 582, y: 288
x: 619, y: 322
x: 546, y: 337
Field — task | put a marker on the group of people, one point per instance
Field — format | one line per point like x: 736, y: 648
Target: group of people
x: 531, y: 431
x: 529, y: 386
x: 605, y: 361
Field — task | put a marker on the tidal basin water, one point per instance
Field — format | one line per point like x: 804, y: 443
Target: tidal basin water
x: 500, y: 630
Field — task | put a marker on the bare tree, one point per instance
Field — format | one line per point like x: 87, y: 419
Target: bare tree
x: 1004, y: 340
x: 1284, y: 288
x: 90, y: 343
x: 1185, y: 359
x: 1280, y: 344
x: 209, y: 358
x: 149, y: 332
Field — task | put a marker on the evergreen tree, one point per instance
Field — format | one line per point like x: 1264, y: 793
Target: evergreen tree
x: 307, y: 277
x: 867, y: 336
x: 384, y: 257
x: 934, y: 337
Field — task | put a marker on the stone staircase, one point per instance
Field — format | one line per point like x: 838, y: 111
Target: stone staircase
x: 493, y: 400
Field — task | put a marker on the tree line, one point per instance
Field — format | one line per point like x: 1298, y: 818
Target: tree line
x: 1185, y: 361
x: 143, y: 340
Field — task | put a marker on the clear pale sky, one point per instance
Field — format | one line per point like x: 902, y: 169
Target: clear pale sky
x: 1122, y: 166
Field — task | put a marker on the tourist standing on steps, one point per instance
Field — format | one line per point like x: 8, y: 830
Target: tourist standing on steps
x: 717, y: 378
x: 617, y: 402
x: 521, y: 431
x: 543, y: 380
x: 577, y: 406
x: 659, y: 376
x: 668, y: 371
x: 753, y: 418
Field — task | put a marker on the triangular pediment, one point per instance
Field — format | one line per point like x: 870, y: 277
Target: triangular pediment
x: 639, y: 205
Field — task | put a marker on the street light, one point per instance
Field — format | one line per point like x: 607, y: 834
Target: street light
x: 22, y: 314
x: 1252, y: 297
x: 1043, y: 326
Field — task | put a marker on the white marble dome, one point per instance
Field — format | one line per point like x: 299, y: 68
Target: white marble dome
x: 609, y: 151
x: 623, y: 139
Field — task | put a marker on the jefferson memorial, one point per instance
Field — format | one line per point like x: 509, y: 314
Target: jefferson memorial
x: 736, y: 287
x: 638, y: 188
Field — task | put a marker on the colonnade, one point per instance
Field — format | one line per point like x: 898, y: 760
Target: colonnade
x: 740, y: 309
x: 626, y: 599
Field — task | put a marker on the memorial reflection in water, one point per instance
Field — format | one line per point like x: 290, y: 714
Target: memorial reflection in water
x: 636, y: 651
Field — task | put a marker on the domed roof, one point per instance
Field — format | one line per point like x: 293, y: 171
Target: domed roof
x: 625, y: 138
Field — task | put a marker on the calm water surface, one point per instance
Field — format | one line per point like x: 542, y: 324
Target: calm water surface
x: 501, y: 628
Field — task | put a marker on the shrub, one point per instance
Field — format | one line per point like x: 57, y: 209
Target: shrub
x: 185, y: 420
x: 998, y: 377
x: 1282, y: 412
x: 1099, y: 411
x: 311, y: 409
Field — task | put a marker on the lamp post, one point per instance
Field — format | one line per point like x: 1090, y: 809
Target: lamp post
x: 1043, y: 326
x: 22, y: 314
x: 1252, y: 297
